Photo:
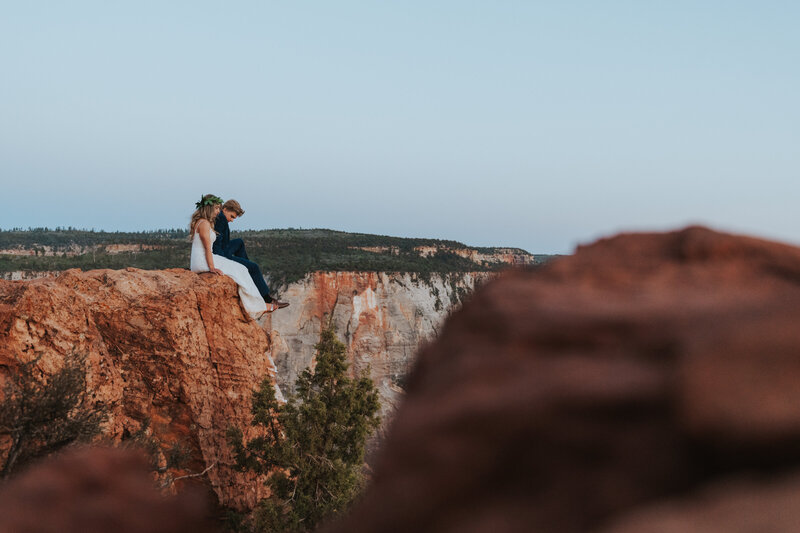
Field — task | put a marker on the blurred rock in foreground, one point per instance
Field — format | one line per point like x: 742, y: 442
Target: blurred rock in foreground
x: 97, y: 490
x: 650, y: 382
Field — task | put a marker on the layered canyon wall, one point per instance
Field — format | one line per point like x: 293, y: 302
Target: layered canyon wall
x: 383, y: 318
x: 647, y: 383
x: 171, y: 355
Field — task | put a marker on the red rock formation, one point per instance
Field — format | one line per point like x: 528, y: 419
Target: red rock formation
x: 97, y: 490
x: 170, y: 347
x: 635, y: 386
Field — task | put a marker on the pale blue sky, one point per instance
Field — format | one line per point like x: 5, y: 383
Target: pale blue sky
x: 539, y: 125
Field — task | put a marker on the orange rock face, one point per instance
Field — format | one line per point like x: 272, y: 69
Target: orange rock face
x: 168, y: 348
x: 647, y: 383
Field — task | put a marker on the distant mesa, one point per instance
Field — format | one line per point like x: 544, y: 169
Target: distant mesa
x: 503, y: 256
x: 288, y: 254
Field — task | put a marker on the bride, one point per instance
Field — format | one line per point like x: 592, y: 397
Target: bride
x: 201, y: 230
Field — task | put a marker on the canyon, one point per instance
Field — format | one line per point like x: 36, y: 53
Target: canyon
x: 171, y: 356
x: 383, y: 318
x: 170, y: 353
x: 649, y: 377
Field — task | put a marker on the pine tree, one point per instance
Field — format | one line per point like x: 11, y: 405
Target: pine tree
x: 313, y: 446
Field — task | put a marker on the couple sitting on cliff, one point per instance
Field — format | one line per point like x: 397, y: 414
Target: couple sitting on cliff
x: 213, y: 250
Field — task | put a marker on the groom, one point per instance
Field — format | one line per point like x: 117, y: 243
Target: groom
x: 233, y: 249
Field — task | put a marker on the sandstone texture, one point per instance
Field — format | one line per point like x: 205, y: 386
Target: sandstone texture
x: 649, y: 383
x: 383, y: 318
x: 170, y: 352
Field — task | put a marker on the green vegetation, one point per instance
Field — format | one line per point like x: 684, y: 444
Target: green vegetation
x: 312, y: 448
x: 285, y: 255
x: 63, y: 237
x: 172, y: 257
x: 39, y: 417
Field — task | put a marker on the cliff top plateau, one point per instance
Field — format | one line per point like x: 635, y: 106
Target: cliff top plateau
x: 286, y: 254
x: 649, y: 383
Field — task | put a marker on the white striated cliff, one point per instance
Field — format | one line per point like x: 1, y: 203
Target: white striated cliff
x: 382, y: 317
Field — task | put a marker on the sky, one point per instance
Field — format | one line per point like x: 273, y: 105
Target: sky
x: 531, y: 124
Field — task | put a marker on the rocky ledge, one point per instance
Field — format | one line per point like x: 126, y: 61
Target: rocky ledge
x: 169, y: 352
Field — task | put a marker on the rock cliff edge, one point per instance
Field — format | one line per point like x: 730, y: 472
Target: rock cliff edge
x: 167, y: 351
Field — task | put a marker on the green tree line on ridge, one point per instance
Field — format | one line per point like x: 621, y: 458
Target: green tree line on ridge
x: 286, y: 254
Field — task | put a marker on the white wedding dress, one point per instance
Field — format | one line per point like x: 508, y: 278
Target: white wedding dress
x: 251, y: 299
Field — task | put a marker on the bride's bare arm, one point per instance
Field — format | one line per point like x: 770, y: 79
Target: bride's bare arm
x: 202, y: 227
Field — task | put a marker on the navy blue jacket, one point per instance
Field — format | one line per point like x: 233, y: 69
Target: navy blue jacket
x: 223, y: 239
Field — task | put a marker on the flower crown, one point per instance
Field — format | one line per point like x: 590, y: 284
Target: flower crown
x: 211, y: 200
